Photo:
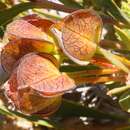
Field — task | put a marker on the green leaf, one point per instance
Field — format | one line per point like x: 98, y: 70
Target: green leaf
x: 123, y: 37
x: 118, y: 90
x: 5, y: 113
x: 67, y: 109
x: 8, y: 14
x: 126, y: 7
x: 111, y: 7
x: 37, y: 120
x: 111, y: 57
x: 124, y: 101
x: 71, y: 4
x: 73, y: 109
x: 44, y: 123
x: 72, y: 68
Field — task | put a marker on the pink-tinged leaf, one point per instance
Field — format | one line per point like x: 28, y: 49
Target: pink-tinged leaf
x: 32, y: 27
x: 43, y: 24
x: 36, y: 85
x: 78, y: 35
x: 42, y: 76
x: 23, y: 29
x: 85, y: 23
x: 29, y: 101
x: 15, y: 49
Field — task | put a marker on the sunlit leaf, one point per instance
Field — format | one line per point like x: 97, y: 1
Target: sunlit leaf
x: 24, y: 29
x: 4, y: 112
x: 80, y: 34
x: 43, y: 24
x: 41, y: 69
x: 29, y: 34
x: 108, y: 55
x: 15, y: 49
x: 36, y: 85
x: 111, y: 7
x: 118, y: 90
x: 44, y: 123
x: 125, y: 7
x: 123, y: 37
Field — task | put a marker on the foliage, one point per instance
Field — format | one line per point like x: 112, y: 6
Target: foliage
x: 46, y: 54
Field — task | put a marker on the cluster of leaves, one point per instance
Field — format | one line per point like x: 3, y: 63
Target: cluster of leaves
x: 45, y: 57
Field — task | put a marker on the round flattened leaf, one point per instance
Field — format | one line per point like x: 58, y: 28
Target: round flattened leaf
x: 31, y: 27
x: 43, y: 24
x: 36, y: 85
x: 41, y: 75
x: 86, y: 23
x: 15, y: 49
x: 28, y: 101
x: 78, y: 35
